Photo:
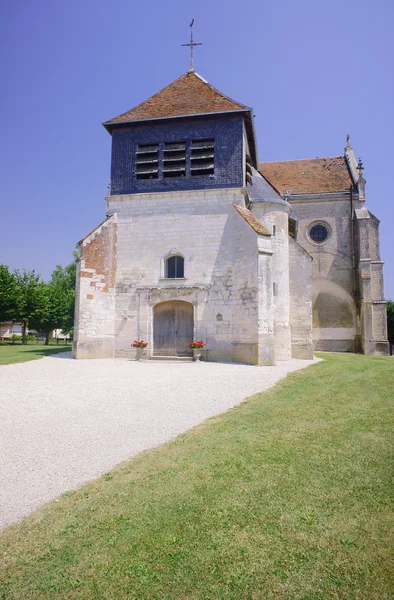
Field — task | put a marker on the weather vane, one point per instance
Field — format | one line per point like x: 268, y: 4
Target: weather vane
x: 191, y: 45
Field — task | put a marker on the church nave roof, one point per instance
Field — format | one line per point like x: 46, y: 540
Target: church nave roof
x: 309, y: 176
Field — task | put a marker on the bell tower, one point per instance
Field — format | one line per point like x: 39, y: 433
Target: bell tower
x: 188, y: 136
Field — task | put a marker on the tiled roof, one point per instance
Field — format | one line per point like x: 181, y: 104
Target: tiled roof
x: 309, y: 176
x: 251, y: 220
x: 190, y: 94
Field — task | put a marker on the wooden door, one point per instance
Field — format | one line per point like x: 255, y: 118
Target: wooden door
x: 172, y: 328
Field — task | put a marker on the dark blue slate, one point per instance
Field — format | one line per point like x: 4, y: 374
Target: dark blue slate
x: 226, y: 129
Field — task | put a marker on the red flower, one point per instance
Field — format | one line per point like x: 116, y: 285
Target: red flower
x: 139, y: 344
x: 199, y: 344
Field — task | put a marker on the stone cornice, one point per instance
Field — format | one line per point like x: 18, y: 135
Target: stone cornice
x: 164, y: 288
x: 231, y: 191
x: 329, y: 197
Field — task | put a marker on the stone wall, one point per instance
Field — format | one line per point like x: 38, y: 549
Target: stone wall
x: 334, y: 281
x: 300, y: 301
x: 274, y: 262
x: 94, y: 335
x: 373, y: 315
x: 196, y: 225
x: 236, y: 279
x: 220, y: 269
x: 246, y: 295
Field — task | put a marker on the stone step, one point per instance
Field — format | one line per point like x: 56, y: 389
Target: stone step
x: 172, y: 358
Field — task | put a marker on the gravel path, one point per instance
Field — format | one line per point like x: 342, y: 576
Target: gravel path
x: 64, y: 421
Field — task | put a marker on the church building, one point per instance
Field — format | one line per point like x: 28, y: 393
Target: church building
x: 262, y: 261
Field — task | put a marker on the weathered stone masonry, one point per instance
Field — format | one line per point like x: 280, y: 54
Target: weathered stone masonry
x: 95, y: 299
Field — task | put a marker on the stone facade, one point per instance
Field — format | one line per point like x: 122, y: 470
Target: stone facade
x: 229, y: 271
x: 333, y: 289
x: 349, y: 311
x: 252, y: 289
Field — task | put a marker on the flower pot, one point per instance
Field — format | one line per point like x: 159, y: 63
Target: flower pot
x: 139, y: 353
x: 196, y: 354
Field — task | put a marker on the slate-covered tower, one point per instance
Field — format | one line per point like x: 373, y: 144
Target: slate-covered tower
x: 181, y: 256
x: 189, y: 136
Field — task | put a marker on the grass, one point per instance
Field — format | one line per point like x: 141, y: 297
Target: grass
x: 287, y: 496
x: 15, y: 353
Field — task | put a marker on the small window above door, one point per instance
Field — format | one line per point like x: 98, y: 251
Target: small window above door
x: 175, y: 267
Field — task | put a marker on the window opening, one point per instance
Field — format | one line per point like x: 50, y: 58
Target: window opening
x: 174, y: 159
x: 147, y: 161
x: 292, y: 228
x: 248, y: 169
x: 202, y: 157
x: 175, y: 267
x: 318, y: 233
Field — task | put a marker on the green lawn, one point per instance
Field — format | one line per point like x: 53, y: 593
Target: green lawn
x: 288, y: 496
x: 18, y: 353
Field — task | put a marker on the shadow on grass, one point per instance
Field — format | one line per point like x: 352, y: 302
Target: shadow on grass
x: 51, y: 352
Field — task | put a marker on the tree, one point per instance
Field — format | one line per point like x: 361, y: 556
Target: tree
x: 10, y: 296
x: 390, y: 322
x: 26, y: 298
x: 57, y: 302
x: 50, y: 315
x: 63, y: 280
x: 33, y: 300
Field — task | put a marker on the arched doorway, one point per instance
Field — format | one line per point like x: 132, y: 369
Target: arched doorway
x: 172, y: 328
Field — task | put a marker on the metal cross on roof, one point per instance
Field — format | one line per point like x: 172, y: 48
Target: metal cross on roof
x: 191, y: 45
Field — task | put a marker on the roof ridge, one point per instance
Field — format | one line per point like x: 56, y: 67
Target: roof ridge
x: 300, y: 159
x: 221, y: 93
x: 146, y: 99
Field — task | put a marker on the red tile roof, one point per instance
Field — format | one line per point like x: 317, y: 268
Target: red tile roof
x: 252, y: 220
x: 190, y: 94
x: 309, y: 176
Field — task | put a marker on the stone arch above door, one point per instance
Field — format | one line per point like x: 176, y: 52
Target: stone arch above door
x: 173, y: 328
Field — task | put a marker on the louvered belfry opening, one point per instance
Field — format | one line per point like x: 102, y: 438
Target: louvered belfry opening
x: 249, y: 171
x: 180, y: 159
x: 202, y: 157
x: 147, y: 161
x: 174, y: 159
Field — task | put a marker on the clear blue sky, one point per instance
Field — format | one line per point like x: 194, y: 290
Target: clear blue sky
x: 313, y: 71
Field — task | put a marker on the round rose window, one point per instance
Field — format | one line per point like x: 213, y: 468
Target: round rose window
x: 318, y: 233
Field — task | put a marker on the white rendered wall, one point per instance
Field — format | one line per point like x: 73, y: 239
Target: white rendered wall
x: 275, y: 219
x: 220, y: 254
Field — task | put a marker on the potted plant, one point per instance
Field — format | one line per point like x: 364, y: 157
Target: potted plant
x: 140, y: 345
x: 197, y: 347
